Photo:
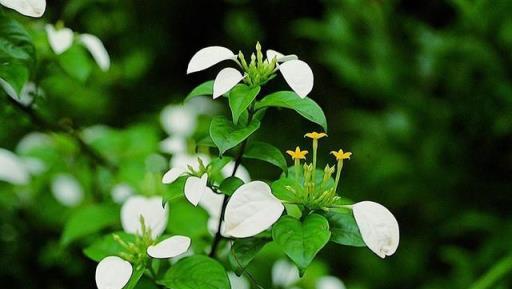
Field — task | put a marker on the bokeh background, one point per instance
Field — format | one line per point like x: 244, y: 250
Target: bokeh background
x: 419, y: 91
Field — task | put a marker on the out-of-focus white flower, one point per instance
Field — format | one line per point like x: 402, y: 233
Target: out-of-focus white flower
x: 378, y: 227
x: 203, y: 105
x: 241, y: 172
x: 67, y: 190
x: 178, y: 120
x: 155, y: 216
x: 32, y: 8
x: 238, y: 282
x: 251, y: 210
x: 12, y: 168
x: 34, y: 166
x: 62, y: 39
x: 113, y: 273
x: 170, y: 247
x: 27, y: 94
x: 121, y: 192
x: 329, y: 282
x: 32, y: 141
x: 297, y: 73
x: 212, y: 203
x: 284, y: 274
x: 174, y: 145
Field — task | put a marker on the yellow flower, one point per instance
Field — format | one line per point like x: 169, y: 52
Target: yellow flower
x: 315, y: 135
x: 297, y: 154
x: 341, y: 155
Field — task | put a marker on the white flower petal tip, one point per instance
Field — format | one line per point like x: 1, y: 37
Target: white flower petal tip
x: 13, y: 169
x: 170, y: 247
x: 97, y: 50
x: 67, y: 190
x: 172, y: 175
x: 113, y: 273
x: 251, y: 210
x: 208, y: 57
x: 32, y: 8
x: 195, y: 189
x: 225, y: 80
x: 329, y: 282
x: 155, y: 216
x: 59, y: 40
x: 298, y: 75
x: 279, y: 56
x: 178, y: 120
x: 378, y: 227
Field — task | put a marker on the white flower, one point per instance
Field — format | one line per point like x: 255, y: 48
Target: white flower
x: 62, y: 39
x: 33, y: 140
x: 297, y: 73
x: 238, y: 282
x: 329, y: 282
x: 378, y: 227
x: 32, y: 8
x: 150, y: 208
x: 170, y: 247
x: 284, y: 274
x: 178, y: 120
x: 27, y: 94
x: 67, y: 190
x: 113, y: 273
x: 174, y: 145
x: 121, y: 192
x: 13, y: 169
x: 196, y: 188
x: 251, y: 210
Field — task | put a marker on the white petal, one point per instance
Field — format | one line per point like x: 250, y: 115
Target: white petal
x: 32, y: 8
x: 178, y: 120
x: 378, y: 227
x: 60, y: 40
x: 226, y: 80
x: 12, y: 168
x: 284, y: 274
x: 185, y: 160
x: 170, y: 247
x: 241, y: 173
x: 171, y: 175
x: 238, y: 282
x: 34, y: 166
x: 195, y: 188
x: 212, y: 203
x: 121, y: 192
x: 33, y: 140
x: 279, y: 56
x: 155, y: 216
x: 97, y: 50
x: 113, y: 273
x: 329, y: 282
x: 298, y: 75
x: 251, y: 210
x: 173, y: 145
x: 67, y: 190
x: 208, y: 57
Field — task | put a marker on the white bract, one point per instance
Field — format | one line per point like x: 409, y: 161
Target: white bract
x: 62, y: 39
x: 329, y: 282
x: 12, y: 168
x: 378, y: 227
x: 251, y: 210
x: 150, y: 208
x: 196, y: 188
x: 179, y: 166
x: 67, y: 190
x: 121, y: 192
x: 113, y: 273
x: 170, y: 247
x: 297, y: 73
x: 32, y: 8
x: 284, y: 274
x: 241, y: 172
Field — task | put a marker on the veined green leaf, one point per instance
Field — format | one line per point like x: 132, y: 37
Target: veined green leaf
x: 243, y: 252
x: 205, y: 88
x: 268, y: 153
x: 344, y: 228
x: 196, y: 272
x: 226, y: 135
x: 240, y: 97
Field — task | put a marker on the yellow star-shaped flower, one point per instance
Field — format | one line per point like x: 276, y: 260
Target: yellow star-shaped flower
x: 297, y: 154
x: 341, y: 155
x: 315, y: 135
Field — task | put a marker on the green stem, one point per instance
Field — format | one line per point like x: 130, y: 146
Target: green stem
x: 495, y: 274
x: 297, y: 168
x: 339, y: 167
x: 315, y: 148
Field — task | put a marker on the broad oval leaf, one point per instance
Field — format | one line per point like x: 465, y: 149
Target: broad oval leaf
x: 306, y: 107
x: 301, y: 241
x: 226, y: 135
x: 287, y: 189
x: 196, y: 272
x: 76, y: 63
x: 243, y: 252
x: 344, y: 229
x: 230, y: 185
x: 240, y: 97
x: 205, y: 88
x: 268, y: 153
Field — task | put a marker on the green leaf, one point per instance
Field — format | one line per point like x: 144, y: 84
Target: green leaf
x: 107, y: 246
x: 284, y: 189
x: 89, y: 220
x: 344, y: 228
x: 226, y: 135
x: 76, y: 62
x: 306, y: 107
x: 243, y: 252
x: 205, y: 88
x: 17, y: 55
x: 187, y: 220
x: 301, y: 241
x: 268, y: 153
x: 136, y: 275
x: 196, y: 272
x: 175, y: 191
x: 240, y: 97
x: 229, y: 185
x: 206, y: 141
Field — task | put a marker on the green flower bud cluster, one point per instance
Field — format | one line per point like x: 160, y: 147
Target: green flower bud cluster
x: 259, y: 70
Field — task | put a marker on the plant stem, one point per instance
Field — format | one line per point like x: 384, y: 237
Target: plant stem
x: 38, y: 120
x: 495, y: 274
